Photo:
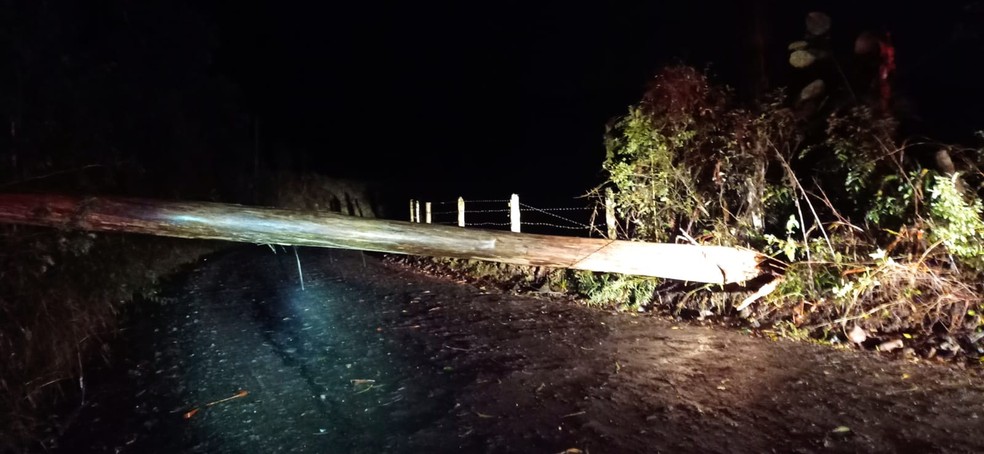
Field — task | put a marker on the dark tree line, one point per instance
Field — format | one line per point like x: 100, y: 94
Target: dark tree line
x: 125, y: 90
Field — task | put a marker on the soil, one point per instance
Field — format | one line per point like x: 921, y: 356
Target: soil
x: 373, y: 357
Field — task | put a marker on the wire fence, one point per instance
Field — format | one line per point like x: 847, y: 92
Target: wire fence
x: 511, y: 214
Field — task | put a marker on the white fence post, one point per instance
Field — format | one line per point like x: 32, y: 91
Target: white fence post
x: 416, y: 206
x: 610, y: 213
x: 412, y: 219
x: 427, y: 208
x: 461, y: 211
x: 514, y: 213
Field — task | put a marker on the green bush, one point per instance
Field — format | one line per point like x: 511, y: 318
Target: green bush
x: 955, y: 222
x: 617, y: 291
x: 829, y: 191
x: 687, y: 158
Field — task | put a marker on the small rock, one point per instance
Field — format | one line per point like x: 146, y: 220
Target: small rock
x: 974, y: 337
x: 857, y: 335
x: 950, y: 345
x: 890, y: 345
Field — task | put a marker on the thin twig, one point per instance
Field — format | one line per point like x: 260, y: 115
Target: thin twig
x: 799, y: 210
x: 78, y: 355
x: 847, y: 82
x: 830, y: 206
x: 688, y: 237
x: 854, y: 317
x: 806, y: 198
x: 300, y: 273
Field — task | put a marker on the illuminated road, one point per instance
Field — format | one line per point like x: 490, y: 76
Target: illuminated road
x: 320, y: 374
x: 372, y: 358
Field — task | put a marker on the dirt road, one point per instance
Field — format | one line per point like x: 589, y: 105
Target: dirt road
x: 369, y: 357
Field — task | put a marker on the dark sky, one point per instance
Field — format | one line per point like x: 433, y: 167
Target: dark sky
x: 490, y: 98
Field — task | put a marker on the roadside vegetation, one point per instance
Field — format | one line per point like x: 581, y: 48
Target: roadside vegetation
x: 61, y: 297
x: 882, y: 242
x: 881, y: 233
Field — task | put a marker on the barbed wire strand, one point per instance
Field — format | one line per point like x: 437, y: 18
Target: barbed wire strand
x: 529, y: 224
x: 500, y: 224
x: 503, y: 210
x: 506, y: 210
x: 524, y: 208
x: 568, y: 227
x: 455, y: 202
x: 521, y: 204
x: 556, y: 209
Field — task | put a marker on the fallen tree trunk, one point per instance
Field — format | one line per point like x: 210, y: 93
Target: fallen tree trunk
x: 215, y: 221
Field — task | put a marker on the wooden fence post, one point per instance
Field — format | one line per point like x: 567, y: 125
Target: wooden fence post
x: 514, y: 213
x: 427, y: 208
x: 416, y: 206
x: 412, y: 219
x: 461, y: 211
x: 610, y: 214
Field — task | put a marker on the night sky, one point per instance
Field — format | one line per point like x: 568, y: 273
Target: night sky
x: 484, y: 99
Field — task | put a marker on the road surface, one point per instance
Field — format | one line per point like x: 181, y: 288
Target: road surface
x: 369, y: 358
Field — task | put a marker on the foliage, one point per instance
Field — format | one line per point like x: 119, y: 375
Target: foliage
x: 620, y: 291
x: 48, y: 332
x: 957, y: 223
x: 685, y: 158
x: 641, y: 165
x: 875, y: 237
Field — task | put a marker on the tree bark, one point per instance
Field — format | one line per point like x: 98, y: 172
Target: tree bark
x: 215, y: 221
